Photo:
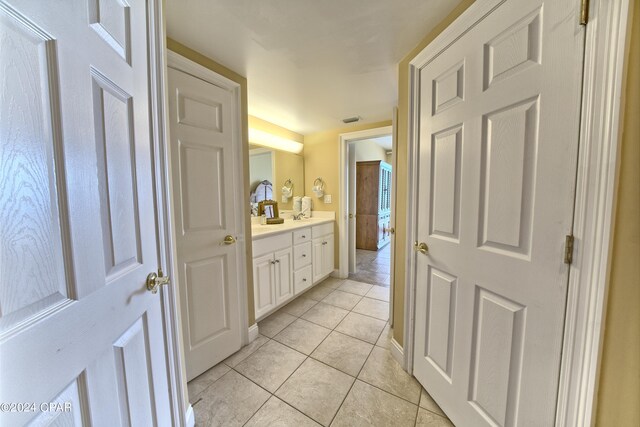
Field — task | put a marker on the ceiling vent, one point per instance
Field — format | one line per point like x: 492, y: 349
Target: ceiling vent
x: 351, y: 119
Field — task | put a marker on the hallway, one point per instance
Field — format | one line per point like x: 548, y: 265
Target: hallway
x: 373, y: 267
x: 323, y: 359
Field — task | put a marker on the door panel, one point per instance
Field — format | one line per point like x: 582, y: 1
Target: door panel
x: 264, y: 284
x: 283, y: 275
x: 499, y: 117
x: 202, y: 152
x: 77, y: 237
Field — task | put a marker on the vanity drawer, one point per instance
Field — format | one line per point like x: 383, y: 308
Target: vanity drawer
x: 302, y: 280
x: 268, y: 244
x: 301, y: 236
x: 322, y: 230
x: 301, y: 255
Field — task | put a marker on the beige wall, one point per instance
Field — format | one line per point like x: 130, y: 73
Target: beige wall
x: 287, y: 165
x: 212, y: 65
x: 321, y: 159
x: 368, y: 150
x: 618, y: 401
x: 401, y: 192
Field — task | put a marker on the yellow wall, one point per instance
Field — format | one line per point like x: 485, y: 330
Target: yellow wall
x: 287, y: 165
x: 401, y: 155
x: 618, y: 401
x: 321, y: 159
x: 212, y: 65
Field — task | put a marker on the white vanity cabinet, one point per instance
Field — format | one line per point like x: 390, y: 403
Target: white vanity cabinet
x: 322, y: 251
x: 288, y: 263
x: 272, y: 273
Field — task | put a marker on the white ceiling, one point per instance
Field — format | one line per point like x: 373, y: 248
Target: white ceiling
x: 385, y: 142
x: 309, y: 63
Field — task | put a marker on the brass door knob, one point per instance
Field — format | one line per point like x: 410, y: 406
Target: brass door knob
x: 389, y: 230
x: 421, y: 247
x: 229, y: 240
x: 154, y: 281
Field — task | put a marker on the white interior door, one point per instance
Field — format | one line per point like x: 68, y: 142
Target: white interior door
x: 203, y: 117
x: 499, y: 117
x: 77, y: 226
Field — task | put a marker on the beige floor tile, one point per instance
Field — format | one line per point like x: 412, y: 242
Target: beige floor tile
x: 427, y: 402
x: 273, y: 324
x: 342, y: 299
x: 317, y: 390
x: 299, y: 306
x: 362, y: 327
x: 318, y: 292
x: 302, y: 335
x: 354, y: 287
x: 325, y: 315
x: 379, y: 292
x: 197, y: 385
x: 270, y: 365
x: 332, y: 282
x: 429, y: 419
x: 373, y: 307
x: 382, y: 371
x: 231, y: 402
x: 276, y: 413
x: 366, y: 405
x: 385, y: 337
x: 246, y: 351
x: 343, y: 352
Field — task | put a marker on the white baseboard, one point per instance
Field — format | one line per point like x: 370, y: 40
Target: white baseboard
x: 253, y: 332
x: 190, y: 416
x: 397, y: 352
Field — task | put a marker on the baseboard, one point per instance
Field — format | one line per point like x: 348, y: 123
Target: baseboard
x: 190, y: 417
x: 397, y: 352
x: 253, y: 332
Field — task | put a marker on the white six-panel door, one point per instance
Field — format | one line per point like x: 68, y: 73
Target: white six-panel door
x: 498, y: 134
x: 77, y: 224
x: 203, y: 117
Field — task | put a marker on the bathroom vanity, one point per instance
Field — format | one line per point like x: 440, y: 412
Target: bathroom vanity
x: 288, y: 259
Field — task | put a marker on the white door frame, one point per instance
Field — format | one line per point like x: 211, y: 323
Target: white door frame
x: 162, y: 58
x: 181, y: 410
x: 606, y: 35
x: 343, y: 214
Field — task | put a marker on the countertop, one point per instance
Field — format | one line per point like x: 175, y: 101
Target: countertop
x: 259, y: 231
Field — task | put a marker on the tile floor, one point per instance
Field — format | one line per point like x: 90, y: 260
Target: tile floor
x: 373, y: 266
x: 323, y: 359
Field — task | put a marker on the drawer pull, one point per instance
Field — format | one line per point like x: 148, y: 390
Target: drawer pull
x: 278, y: 261
x: 304, y: 236
x: 304, y: 280
x: 304, y: 255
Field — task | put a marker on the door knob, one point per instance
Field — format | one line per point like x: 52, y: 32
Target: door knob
x: 350, y: 216
x: 229, y: 240
x: 389, y: 230
x: 154, y: 281
x: 421, y: 247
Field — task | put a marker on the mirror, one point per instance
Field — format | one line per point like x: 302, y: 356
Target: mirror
x: 269, y: 171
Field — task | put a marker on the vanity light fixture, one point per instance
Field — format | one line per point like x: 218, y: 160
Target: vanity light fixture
x: 266, y: 139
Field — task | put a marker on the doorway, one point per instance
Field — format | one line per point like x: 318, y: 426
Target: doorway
x: 372, y: 263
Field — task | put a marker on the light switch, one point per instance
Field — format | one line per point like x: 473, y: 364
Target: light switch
x: 327, y: 198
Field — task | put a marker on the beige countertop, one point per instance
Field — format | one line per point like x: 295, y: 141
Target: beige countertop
x: 259, y: 231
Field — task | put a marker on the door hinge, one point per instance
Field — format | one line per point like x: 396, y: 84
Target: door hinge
x: 584, y: 12
x: 568, y: 249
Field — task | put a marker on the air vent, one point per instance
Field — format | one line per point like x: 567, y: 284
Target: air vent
x: 351, y: 119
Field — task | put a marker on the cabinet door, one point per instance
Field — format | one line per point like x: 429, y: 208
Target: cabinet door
x: 264, y: 290
x: 317, y: 251
x: 283, y: 273
x: 327, y: 255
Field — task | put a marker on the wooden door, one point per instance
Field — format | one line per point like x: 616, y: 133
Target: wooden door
x: 202, y: 117
x: 499, y: 118
x: 77, y: 221
x: 264, y: 287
